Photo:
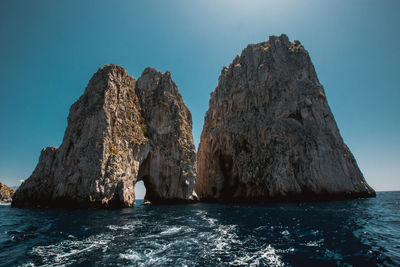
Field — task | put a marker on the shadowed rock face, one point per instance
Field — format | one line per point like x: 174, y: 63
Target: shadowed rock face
x: 119, y: 131
x: 269, y: 134
x: 169, y: 169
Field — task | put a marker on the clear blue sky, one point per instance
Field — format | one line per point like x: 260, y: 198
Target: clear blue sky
x: 50, y: 49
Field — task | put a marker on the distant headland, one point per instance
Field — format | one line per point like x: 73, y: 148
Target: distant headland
x: 6, y: 193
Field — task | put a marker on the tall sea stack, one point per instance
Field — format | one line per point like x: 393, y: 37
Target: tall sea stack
x: 119, y: 132
x: 269, y: 134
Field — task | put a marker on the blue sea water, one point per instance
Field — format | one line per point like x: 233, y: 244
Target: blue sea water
x: 364, y: 232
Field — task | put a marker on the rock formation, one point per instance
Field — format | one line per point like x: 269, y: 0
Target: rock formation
x: 119, y: 132
x: 5, y: 193
x: 269, y: 134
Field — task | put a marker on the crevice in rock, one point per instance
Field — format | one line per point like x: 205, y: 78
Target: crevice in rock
x: 70, y: 147
x: 296, y: 116
x: 230, y: 182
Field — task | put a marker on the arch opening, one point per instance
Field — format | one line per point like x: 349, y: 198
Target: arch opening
x: 140, y: 192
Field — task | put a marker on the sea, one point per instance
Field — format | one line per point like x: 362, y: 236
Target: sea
x: 362, y: 232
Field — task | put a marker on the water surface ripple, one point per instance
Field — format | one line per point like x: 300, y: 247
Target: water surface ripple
x: 363, y: 232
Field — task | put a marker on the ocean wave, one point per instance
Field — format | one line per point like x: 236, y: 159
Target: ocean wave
x: 172, y: 230
x: 224, y: 237
x: 317, y: 243
x: 130, y: 226
x: 160, y: 254
x: 131, y: 255
x: 204, y: 216
x: 204, y: 235
x: 285, y: 233
x: 267, y: 256
x: 120, y: 227
x: 64, y: 252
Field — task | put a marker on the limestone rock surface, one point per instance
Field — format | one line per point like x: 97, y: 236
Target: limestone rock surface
x: 120, y: 131
x: 5, y: 193
x: 269, y: 134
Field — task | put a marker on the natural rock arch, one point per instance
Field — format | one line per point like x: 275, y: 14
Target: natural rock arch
x: 119, y: 131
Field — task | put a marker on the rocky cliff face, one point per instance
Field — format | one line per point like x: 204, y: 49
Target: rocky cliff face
x: 5, y: 193
x: 269, y: 133
x: 119, y: 131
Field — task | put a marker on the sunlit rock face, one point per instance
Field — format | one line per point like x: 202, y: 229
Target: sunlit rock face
x: 269, y: 134
x: 119, y: 131
x: 5, y: 193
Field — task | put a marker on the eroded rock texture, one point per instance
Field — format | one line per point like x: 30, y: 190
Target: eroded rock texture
x: 5, y: 193
x: 119, y: 131
x: 269, y: 134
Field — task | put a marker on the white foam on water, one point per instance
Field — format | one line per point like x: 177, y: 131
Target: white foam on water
x: 200, y: 212
x: 211, y: 221
x: 224, y: 237
x: 314, y: 232
x: 316, y: 243
x: 267, y: 256
x: 130, y: 226
x: 289, y: 250
x: 167, y: 232
x: 120, y: 227
x: 64, y: 252
x: 131, y: 255
x: 204, y: 217
x: 286, y: 232
x: 161, y: 250
x: 172, y: 230
x: 149, y: 257
x: 261, y: 228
